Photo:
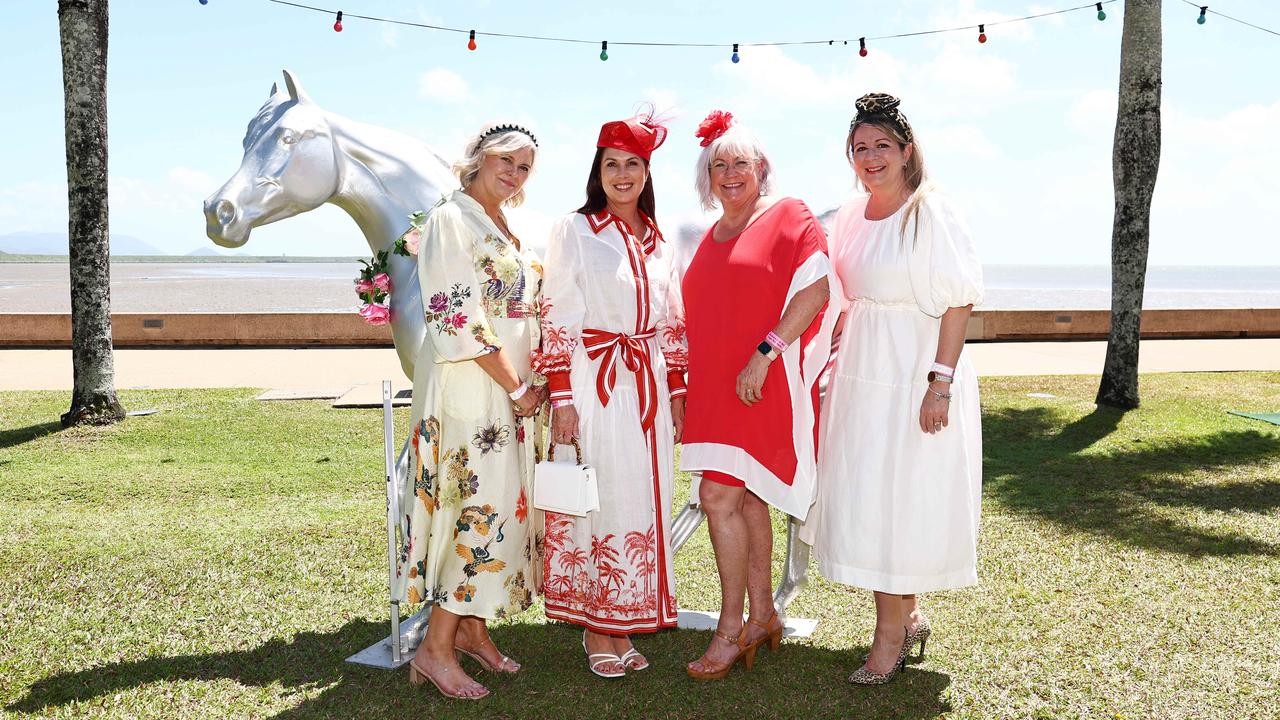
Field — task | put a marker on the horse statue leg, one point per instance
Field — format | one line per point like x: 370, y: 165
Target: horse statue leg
x: 795, y: 568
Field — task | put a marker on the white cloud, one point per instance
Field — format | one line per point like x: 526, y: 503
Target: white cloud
x: 444, y: 86
x: 390, y: 35
x: 1093, y: 113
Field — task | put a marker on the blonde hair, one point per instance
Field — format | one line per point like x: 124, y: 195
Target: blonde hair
x: 737, y: 141
x: 482, y: 145
x: 915, y: 175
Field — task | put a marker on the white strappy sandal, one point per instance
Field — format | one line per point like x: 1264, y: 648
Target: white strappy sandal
x: 605, y: 659
x: 633, y: 653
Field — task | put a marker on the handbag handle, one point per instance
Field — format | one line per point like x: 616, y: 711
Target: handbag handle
x: 551, y: 451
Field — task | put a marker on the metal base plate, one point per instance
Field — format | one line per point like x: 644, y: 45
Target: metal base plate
x: 707, y: 620
x: 379, y: 654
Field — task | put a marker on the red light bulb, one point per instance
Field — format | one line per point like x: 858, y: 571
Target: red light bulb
x: 471, y: 44
x: 337, y: 25
x: 982, y: 33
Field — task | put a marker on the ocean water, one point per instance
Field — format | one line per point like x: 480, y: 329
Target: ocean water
x: 319, y: 287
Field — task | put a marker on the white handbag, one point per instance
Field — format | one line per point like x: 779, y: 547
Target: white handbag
x: 565, y: 487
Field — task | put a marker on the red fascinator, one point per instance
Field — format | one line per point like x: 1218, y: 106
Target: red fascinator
x: 715, y: 125
x: 638, y: 136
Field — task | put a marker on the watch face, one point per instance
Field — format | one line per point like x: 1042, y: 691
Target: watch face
x: 764, y: 348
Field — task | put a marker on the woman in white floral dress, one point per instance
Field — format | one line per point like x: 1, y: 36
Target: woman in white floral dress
x: 470, y: 547
x: 614, y: 355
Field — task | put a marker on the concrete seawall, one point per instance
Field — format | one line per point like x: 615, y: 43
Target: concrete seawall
x: 323, y: 329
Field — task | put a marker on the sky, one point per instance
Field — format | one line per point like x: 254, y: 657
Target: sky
x: 1018, y: 130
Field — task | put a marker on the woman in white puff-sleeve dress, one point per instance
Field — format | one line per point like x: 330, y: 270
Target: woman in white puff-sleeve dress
x: 900, y: 449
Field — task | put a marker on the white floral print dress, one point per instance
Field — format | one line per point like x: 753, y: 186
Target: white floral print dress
x: 469, y: 535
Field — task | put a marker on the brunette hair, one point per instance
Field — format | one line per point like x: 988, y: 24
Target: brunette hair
x: 597, y: 200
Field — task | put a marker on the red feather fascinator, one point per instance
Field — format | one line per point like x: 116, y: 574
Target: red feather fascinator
x: 715, y: 125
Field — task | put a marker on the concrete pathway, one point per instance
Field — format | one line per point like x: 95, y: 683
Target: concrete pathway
x: 333, y: 372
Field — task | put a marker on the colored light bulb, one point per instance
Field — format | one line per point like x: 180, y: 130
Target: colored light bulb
x: 862, y: 46
x: 204, y: 2
x: 471, y: 44
x: 337, y: 25
x: 1101, y: 15
x: 1203, y: 9
x: 735, y: 57
x: 604, y: 50
x: 982, y: 33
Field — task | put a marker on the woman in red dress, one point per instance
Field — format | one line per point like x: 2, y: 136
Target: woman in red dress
x: 755, y: 294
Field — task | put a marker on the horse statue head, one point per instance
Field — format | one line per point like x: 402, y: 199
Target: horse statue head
x: 298, y: 157
x: 290, y: 166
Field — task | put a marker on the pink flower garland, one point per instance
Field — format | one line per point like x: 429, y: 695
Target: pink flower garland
x: 374, y: 284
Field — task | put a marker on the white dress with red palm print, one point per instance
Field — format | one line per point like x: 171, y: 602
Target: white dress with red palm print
x: 613, y: 342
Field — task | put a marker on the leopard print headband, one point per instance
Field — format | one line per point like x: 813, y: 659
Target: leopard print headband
x: 881, y: 107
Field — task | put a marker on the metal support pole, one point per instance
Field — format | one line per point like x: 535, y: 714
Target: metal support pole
x: 388, y: 443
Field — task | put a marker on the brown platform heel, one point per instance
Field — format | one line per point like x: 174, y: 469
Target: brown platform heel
x: 745, y: 652
x: 773, y: 628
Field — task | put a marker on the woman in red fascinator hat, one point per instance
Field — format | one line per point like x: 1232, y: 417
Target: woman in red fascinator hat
x: 614, y: 355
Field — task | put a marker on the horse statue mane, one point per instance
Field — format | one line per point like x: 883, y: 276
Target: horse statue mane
x: 298, y: 157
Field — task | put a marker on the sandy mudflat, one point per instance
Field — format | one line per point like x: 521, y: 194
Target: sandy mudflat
x: 327, y: 287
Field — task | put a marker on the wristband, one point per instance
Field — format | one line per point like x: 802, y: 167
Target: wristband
x: 777, y: 342
x: 557, y: 404
x: 944, y: 370
x: 519, y: 392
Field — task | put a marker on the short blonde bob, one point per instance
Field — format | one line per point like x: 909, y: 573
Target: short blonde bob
x: 502, y: 143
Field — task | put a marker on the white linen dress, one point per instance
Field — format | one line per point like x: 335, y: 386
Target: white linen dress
x: 611, y: 571
x: 898, y: 508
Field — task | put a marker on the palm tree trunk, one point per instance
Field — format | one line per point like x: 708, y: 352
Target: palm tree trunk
x: 82, y: 25
x: 1135, y: 162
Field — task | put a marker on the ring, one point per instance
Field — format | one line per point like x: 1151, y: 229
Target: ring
x: 937, y: 426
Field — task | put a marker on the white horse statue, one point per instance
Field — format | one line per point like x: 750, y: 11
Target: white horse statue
x: 298, y: 157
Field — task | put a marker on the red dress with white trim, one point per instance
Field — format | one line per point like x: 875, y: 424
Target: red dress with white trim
x: 614, y: 345
x: 735, y: 293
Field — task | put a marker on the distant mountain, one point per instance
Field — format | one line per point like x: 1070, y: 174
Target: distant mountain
x: 204, y: 251
x: 29, y: 243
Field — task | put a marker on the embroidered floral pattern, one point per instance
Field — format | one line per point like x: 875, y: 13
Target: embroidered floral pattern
x: 489, y: 439
x: 556, y: 351
x: 442, y: 309
x: 463, y: 482
x: 483, y: 335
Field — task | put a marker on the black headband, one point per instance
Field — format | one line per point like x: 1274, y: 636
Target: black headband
x: 881, y: 107
x: 502, y: 129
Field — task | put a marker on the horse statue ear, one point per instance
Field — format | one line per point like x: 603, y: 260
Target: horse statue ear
x: 275, y: 90
x: 295, y: 88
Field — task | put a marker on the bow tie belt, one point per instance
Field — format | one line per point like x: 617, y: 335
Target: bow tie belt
x: 633, y: 350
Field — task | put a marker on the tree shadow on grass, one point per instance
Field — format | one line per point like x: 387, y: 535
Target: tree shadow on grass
x: 798, y: 680
x: 18, y: 436
x: 1133, y: 494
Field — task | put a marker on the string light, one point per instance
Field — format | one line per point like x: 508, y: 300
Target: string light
x: 337, y: 26
x: 604, y: 50
x: 1205, y: 8
x: 735, y: 57
x: 862, y: 42
x: 982, y: 33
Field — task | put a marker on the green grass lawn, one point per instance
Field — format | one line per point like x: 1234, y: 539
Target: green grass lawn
x: 222, y: 557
